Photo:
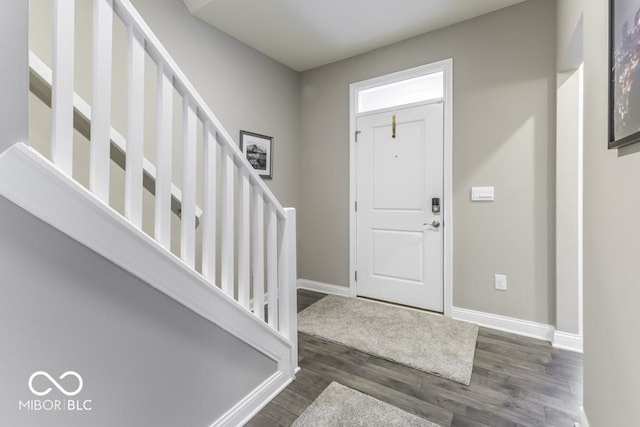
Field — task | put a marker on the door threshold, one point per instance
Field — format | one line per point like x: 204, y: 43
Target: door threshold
x: 409, y: 307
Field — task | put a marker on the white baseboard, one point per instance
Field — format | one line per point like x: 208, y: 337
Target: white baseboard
x: 503, y: 323
x: 584, y: 422
x: 567, y: 341
x: 248, y: 407
x: 325, y: 288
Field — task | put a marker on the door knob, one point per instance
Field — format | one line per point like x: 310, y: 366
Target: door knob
x: 435, y: 223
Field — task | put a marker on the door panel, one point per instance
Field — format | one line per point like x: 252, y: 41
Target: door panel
x: 398, y: 175
x: 399, y: 259
x: 398, y: 254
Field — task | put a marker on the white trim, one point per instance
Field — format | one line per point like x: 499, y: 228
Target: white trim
x: 584, y: 422
x: 567, y: 341
x: 33, y: 183
x: 580, y: 199
x: 447, y: 212
x: 325, y: 288
x: 502, y: 323
x: 248, y: 407
x: 562, y: 340
x: 353, y: 235
x: 447, y: 67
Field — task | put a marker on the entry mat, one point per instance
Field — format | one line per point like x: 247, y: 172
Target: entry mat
x: 421, y: 340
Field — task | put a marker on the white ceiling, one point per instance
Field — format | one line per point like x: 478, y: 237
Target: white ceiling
x: 305, y: 34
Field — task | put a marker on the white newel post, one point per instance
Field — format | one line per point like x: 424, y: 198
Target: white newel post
x: 287, y: 283
x: 14, y: 69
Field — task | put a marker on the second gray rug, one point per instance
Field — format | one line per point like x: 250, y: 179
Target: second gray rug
x: 424, y: 341
x: 340, y: 406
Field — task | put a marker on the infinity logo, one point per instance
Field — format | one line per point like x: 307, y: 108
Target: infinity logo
x: 55, y: 383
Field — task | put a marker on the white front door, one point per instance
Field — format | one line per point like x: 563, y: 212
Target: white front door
x: 399, y: 237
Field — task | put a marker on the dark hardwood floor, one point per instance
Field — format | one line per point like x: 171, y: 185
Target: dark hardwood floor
x: 516, y: 381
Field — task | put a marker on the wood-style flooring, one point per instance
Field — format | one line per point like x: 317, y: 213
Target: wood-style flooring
x: 516, y: 381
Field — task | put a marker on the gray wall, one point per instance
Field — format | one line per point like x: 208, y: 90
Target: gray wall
x: 504, y: 135
x: 145, y: 359
x: 611, y: 248
x: 14, y: 83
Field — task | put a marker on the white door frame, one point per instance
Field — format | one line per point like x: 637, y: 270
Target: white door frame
x: 446, y: 66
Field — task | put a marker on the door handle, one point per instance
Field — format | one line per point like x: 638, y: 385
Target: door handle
x: 435, y: 223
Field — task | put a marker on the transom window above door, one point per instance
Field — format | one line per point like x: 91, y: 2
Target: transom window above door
x: 418, y: 89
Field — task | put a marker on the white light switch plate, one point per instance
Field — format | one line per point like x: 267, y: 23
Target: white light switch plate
x: 483, y: 194
x: 500, y: 282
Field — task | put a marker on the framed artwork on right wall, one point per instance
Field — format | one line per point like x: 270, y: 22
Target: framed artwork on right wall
x: 624, y: 72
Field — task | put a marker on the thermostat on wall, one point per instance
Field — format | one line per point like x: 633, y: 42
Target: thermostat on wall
x: 482, y: 194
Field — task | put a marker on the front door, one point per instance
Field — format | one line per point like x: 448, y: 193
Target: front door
x: 399, y: 229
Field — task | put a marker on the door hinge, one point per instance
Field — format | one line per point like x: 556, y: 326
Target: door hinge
x: 356, y: 275
x: 356, y: 206
x: 357, y: 133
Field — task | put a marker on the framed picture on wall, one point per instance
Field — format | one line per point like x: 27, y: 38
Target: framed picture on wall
x: 624, y: 72
x: 258, y: 149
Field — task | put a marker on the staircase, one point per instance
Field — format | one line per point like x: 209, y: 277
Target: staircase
x: 236, y: 260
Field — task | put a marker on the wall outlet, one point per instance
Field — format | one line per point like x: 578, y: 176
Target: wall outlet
x: 500, y: 282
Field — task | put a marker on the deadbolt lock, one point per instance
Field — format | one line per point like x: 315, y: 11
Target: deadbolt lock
x: 435, y: 205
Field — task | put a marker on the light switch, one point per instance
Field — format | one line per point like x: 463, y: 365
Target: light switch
x: 482, y: 194
x: 500, y: 282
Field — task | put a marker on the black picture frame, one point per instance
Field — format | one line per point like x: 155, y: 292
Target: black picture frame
x: 624, y: 72
x: 258, y: 150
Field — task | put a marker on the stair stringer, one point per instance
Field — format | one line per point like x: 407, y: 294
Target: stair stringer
x: 30, y: 181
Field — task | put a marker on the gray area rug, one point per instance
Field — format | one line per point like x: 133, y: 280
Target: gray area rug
x: 424, y: 341
x: 342, y: 406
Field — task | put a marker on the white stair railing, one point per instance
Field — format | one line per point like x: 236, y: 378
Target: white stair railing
x: 243, y: 258
x: 40, y: 81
